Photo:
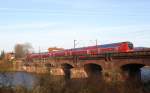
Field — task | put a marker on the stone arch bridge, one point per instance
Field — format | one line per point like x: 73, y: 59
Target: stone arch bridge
x: 118, y: 66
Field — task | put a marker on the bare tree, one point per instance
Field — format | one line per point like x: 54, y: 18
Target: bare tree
x: 22, y: 49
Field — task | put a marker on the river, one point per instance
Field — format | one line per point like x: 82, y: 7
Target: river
x: 17, y: 78
x: 28, y: 80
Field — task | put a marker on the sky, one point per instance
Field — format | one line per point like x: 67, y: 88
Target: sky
x: 50, y: 23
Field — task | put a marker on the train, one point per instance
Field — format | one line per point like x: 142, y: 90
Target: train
x: 89, y: 50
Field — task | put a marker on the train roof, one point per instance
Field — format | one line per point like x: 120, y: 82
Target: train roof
x: 113, y: 44
x: 103, y: 45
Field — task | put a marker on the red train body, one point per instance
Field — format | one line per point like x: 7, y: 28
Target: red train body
x: 91, y: 50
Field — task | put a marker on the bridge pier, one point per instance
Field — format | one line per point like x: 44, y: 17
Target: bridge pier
x: 57, y: 71
x: 74, y: 73
x: 112, y: 75
x: 77, y: 73
x: 40, y: 69
x: 107, y: 75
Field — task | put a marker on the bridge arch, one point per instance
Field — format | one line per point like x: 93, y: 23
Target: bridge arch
x: 132, y: 71
x: 67, y: 69
x: 93, y: 70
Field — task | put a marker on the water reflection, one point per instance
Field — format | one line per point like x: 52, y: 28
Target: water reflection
x: 12, y: 79
x: 17, y: 78
x: 145, y: 74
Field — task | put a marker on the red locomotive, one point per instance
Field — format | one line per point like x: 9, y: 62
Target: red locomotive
x: 90, y: 50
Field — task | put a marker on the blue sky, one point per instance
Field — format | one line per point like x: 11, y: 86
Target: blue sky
x: 48, y: 23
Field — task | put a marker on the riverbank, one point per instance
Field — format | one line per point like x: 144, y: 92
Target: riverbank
x: 6, y: 66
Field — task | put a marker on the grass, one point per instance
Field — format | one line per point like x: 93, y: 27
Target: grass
x: 49, y: 84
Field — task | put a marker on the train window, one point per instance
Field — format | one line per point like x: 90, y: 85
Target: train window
x: 130, y: 46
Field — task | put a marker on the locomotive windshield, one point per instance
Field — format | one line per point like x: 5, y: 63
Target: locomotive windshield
x: 130, y: 45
